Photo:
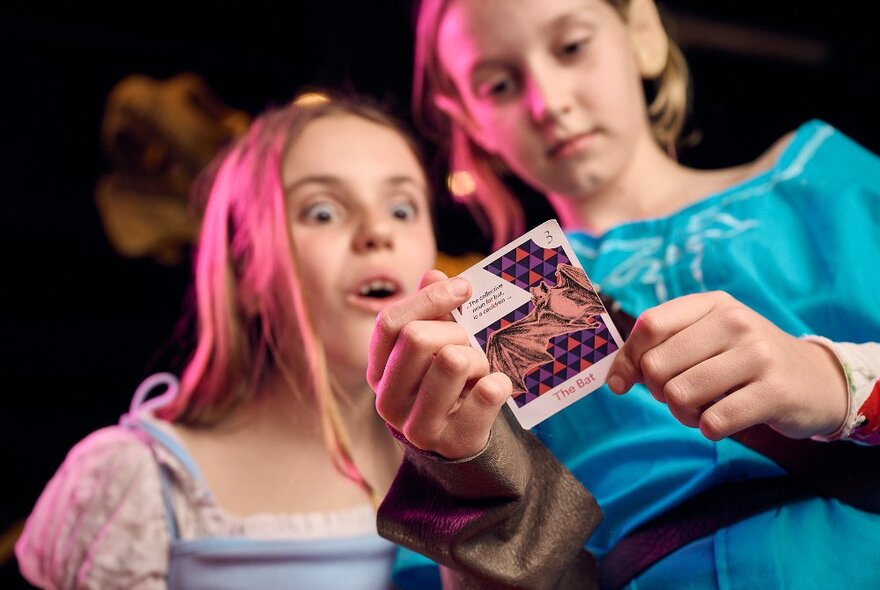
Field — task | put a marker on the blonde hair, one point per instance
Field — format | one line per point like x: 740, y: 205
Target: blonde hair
x: 495, y: 208
x: 253, y: 321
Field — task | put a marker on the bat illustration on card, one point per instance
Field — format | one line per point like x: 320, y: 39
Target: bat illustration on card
x: 539, y: 320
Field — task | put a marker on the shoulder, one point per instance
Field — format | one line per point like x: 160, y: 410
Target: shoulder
x: 98, y: 509
x: 107, y: 459
x: 112, y: 442
x: 815, y: 151
x: 821, y: 148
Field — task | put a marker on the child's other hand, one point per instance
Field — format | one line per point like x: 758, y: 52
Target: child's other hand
x: 430, y: 383
x: 721, y: 367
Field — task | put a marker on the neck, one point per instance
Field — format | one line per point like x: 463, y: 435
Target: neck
x: 358, y: 407
x: 278, y: 406
x: 648, y: 186
x: 275, y: 410
x: 271, y: 456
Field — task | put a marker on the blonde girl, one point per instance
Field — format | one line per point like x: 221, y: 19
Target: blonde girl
x: 755, y: 305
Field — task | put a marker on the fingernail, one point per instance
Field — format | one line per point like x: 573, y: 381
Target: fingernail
x: 617, y: 384
x: 459, y: 286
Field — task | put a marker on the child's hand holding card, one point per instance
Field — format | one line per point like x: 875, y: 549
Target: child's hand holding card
x: 539, y: 320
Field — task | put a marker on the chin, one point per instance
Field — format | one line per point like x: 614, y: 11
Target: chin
x: 576, y: 186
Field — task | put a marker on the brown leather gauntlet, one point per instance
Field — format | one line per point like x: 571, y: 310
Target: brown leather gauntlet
x: 511, y: 517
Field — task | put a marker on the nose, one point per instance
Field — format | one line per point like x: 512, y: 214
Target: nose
x: 547, y: 94
x: 374, y: 232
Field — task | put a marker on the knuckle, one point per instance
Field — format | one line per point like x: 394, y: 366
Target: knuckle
x: 738, y: 318
x: 388, y: 415
x: 686, y: 416
x: 386, y: 322
x: 650, y: 324
x: 435, y: 295
x: 760, y: 352
x: 676, y: 393
x: 758, y: 356
x: 722, y: 298
x: 657, y: 394
x: 413, y: 335
x: 414, y: 435
x: 651, y: 364
x: 494, y: 388
x: 383, y: 408
x: 713, y: 425
x: 450, y: 359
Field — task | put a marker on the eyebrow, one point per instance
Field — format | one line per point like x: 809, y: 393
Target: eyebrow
x: 403, y: 180
x: 325, y: 179
x: 313, y: 179
x: 582, y: 15
x: 578, y: 16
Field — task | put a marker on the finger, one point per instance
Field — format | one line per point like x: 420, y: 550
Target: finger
x: 737, y: 411
x: 711, y: 380
x: 655, y: 326
x: 724, y: 328
x: 408, y: 364
x: 435, y: 300
x: 490, y: 393
x: 431, y: 277
x: 473, y: 420
x: 441, y: 394
x: 697, y: 343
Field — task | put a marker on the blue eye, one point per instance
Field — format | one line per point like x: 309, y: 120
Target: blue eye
x: 321, y: 213
x: 403, y: 211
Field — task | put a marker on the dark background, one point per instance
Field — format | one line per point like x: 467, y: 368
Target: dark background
x: 82, y: 326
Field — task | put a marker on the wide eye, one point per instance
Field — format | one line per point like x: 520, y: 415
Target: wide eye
x: 404, y: 211
x: 321, y: 213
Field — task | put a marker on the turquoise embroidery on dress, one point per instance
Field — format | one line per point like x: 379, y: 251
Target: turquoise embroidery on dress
x: 712, y: 224
x: 806, y: 154
x: 648, y: 260
x: 681, y: 238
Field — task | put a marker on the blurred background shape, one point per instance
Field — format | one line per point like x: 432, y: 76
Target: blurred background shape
x: 157, y: 136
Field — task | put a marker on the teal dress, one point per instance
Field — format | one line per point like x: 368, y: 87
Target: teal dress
x: 800, y: 244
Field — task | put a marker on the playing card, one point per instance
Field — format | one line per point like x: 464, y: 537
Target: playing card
x: 538, y: 318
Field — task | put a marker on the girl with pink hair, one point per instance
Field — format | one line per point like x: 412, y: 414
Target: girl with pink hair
x: 264, y: 466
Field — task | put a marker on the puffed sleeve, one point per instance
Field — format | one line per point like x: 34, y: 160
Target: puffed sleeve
x: 511, y: 517
x: 100, y: 522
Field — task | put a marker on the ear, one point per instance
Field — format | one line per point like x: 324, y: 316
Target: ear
x: 459, y: 115
x: 649, y: 38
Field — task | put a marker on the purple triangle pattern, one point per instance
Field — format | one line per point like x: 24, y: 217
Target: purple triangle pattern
x: 517, y: 314
x: 528, y: 264
x: 574, y: 352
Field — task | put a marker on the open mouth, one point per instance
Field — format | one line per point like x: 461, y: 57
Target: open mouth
x: 373, y: 295
x: 378, y: 289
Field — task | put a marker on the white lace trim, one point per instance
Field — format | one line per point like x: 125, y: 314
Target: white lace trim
x: 199, y: 515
